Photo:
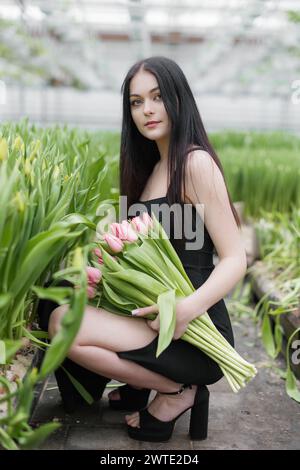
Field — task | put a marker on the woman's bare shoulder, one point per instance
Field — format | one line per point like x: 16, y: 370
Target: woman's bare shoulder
x: 200, y: 160
x: 202, y: 175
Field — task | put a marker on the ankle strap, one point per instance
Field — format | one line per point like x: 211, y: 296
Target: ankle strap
x: 183, y: 387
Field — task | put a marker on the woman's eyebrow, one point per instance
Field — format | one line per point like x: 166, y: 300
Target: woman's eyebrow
x: 151, y: 91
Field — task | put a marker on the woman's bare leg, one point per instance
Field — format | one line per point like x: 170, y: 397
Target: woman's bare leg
x: 109, y: 364
x: 100, y: 336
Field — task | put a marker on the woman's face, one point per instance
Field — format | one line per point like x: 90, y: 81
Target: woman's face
x: 146, y: 105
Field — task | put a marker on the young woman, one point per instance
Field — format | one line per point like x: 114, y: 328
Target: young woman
x: 168, y: 161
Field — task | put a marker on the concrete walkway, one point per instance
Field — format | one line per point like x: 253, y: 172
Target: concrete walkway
x: 261, y: 416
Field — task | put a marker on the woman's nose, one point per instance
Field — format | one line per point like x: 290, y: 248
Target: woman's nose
x: 148, y: 107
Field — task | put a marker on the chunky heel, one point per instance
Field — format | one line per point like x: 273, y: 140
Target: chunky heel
x: 154, y: 430
x: 199, y: 414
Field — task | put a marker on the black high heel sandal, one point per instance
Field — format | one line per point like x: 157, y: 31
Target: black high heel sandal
x: 154, y: 430
x: 131, y: 399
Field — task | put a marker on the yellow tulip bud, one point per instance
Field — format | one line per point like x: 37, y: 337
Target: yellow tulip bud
x: 27, y: 167
x: 19, y: 200
x: 56, y: 172
x: 35, y: 146
x: 3, y: 149
x: 19, y: 144
x: 77, y: 258
x: 38, y: 145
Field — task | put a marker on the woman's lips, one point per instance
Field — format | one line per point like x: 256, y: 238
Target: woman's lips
x: 153, y: 124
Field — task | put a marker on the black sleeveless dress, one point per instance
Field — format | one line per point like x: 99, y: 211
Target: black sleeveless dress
x: 181, y: 361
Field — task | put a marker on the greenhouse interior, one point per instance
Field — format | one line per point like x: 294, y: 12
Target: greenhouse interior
x: 78, y: 155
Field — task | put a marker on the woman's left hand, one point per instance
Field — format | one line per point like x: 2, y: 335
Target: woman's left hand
x: 182, y: 317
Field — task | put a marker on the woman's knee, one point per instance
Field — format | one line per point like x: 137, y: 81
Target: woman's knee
x: 55, y: 319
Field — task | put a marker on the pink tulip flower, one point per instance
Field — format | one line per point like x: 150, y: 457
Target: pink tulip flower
x: 91, y: 292
x: 129, y: 233
x: 94, y: 275
x: 98, y: 253
x: 147, y: 219
x: 139, y: 225
x: 117, y: 230
x: 114, y: 243
x: 123, y: 231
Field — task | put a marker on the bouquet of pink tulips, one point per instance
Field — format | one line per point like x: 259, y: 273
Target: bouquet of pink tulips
x: 135, y: 266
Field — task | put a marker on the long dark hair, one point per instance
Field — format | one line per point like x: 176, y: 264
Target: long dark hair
x: 138, y: 155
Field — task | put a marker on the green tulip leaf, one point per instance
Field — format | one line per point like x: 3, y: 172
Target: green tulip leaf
x: 5, y: 299
x: 291, y: 386
x: 36, y: 437
x: 267, y: 336
x: 11, y: 347
x: 83, y: 392
x: 167, y: 320
x: 2, y: 352
x: 57, y: 294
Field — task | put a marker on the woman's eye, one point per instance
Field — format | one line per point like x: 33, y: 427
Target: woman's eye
x: 135, y: 101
